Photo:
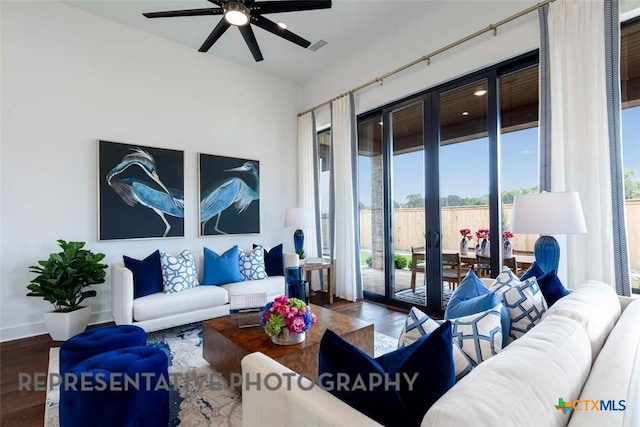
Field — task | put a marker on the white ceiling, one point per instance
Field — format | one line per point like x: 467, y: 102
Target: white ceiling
x: 347, y: 26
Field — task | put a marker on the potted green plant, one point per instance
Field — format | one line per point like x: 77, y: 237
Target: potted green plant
x: 63, y: 280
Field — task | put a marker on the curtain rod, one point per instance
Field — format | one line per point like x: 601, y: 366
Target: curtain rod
x: 427, y: 57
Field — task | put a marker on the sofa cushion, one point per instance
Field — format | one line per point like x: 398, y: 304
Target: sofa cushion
x: 475, y: 338
x: 615, y: 376
x: 471, y: 297
x: 520, y: 386
x: 524, y: 300
x: 162, y: 304
x: 221, y: 269
x: 273, y: 261
x: 147, y: 274
x: 272, y: 286
x: 425, y: 369
x: 595, y: 306
x: 178, y: 272
x: 251, y: 264
x: 550, y: 284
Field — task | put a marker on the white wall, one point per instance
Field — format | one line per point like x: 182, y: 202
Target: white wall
x: 69, y: 78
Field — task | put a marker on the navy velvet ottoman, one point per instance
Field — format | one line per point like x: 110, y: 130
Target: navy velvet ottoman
x: 99, y: 340
x: 125, y: 387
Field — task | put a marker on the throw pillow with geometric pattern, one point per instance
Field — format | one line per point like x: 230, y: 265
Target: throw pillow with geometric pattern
x: 419, y: 324
x: 178, y: 272
x: 524, y: 300
x: 252, y: 264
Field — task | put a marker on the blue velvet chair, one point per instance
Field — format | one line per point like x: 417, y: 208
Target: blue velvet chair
x: 125, y: 387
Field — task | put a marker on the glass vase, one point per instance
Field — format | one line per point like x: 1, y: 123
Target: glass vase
x: 485, y: 248
x: 285, y: 337
x: 507, y: 250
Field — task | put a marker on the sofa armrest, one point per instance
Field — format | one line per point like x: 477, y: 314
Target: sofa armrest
x: 270, y: 399
x: 290, y: 260
x: 121, y: 294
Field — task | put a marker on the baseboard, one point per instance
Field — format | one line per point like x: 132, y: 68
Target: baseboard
x: 33, y: 329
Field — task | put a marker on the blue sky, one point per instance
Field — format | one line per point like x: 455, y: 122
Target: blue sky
x: 463, y: 166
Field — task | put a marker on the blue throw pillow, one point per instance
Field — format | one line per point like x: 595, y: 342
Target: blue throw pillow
x: 147, y: 274
x: 550, y: 285
x: 534, y: 271
x: 221, y: 269
x: 273, y: 263
x: 425, y: 371
x: 471, y: 297
x: 552, y: 288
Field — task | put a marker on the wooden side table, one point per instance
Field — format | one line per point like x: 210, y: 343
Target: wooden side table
x: 308, y: 268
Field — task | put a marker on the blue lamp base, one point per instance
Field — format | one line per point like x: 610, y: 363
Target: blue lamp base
x: 298, y: 240
x: 547, y: 253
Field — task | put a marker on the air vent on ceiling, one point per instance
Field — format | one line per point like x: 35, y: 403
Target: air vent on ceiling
x: 317, y: 45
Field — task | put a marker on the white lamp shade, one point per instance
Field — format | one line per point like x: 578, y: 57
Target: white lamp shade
x: 548, y: 213
x: 298, y: 218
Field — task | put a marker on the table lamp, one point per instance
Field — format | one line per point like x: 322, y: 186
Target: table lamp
x: 545, y: 214
x: 298, y: 218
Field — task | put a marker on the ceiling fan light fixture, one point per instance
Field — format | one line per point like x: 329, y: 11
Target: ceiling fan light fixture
x: 236, y: 13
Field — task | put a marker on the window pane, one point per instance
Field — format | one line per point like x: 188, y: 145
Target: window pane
x: 371, y: 205
x: 630, y: 84
x: 324, y: 166
x: 519, y: 149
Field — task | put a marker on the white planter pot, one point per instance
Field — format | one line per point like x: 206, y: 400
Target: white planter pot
x: 62, y: 326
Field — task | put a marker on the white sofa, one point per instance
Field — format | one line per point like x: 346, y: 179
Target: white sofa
x: 586, y: 347
x: 161, y: 310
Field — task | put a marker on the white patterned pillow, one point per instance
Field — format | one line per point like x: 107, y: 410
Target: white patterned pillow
x: 476, y: 337
x: 178, y: 273
x: 524, y: 300
x: 252, y: 264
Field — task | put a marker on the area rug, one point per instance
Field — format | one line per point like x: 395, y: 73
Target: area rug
x: 193, y: 402
x: 419, y: 297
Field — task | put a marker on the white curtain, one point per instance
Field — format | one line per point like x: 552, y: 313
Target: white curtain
x: 580, y: 140
x: 306, y: 179
x: 346, y: 264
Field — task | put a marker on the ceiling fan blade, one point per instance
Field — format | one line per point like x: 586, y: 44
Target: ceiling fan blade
x: 219, y: 30
x: 289, y: 5
x: 218, y: 2
x: 189, y: 12
x: 272, y: 27
x: 251, y: 41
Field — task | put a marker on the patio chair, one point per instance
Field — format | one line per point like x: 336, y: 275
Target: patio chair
x: 451, y: 269
x: 483, y: 266
x: 417, y: 255
x: 512, y: 264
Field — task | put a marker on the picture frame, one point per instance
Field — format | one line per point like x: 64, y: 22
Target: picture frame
x: 229, y: 195
x: 140, y: 191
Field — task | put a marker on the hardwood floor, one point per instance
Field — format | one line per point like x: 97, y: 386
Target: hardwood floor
x: 31, y: 355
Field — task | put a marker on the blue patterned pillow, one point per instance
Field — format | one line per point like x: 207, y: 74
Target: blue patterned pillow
x: 471, y: 297
x: 524, y: 300
x: 252, y: 264
x: 476, y: 337
x: 178, y: 273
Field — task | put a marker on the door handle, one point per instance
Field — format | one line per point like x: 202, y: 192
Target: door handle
x: 437, y: 245
x: 428, y: 236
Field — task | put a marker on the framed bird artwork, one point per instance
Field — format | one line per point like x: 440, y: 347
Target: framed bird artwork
x: 141, y: 191
x: 229, y: 190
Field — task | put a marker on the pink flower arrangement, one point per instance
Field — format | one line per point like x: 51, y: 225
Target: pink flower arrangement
x: 285, y: 312
x: 506, y: 235
x: 482, y: 233
x: 465, y: 232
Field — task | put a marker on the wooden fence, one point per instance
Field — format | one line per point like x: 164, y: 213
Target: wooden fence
x: 409, y: 228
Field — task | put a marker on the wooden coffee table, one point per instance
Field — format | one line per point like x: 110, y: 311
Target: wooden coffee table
x: 224, y: 344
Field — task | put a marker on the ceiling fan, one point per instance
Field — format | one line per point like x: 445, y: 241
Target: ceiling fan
x: 240, y: 13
